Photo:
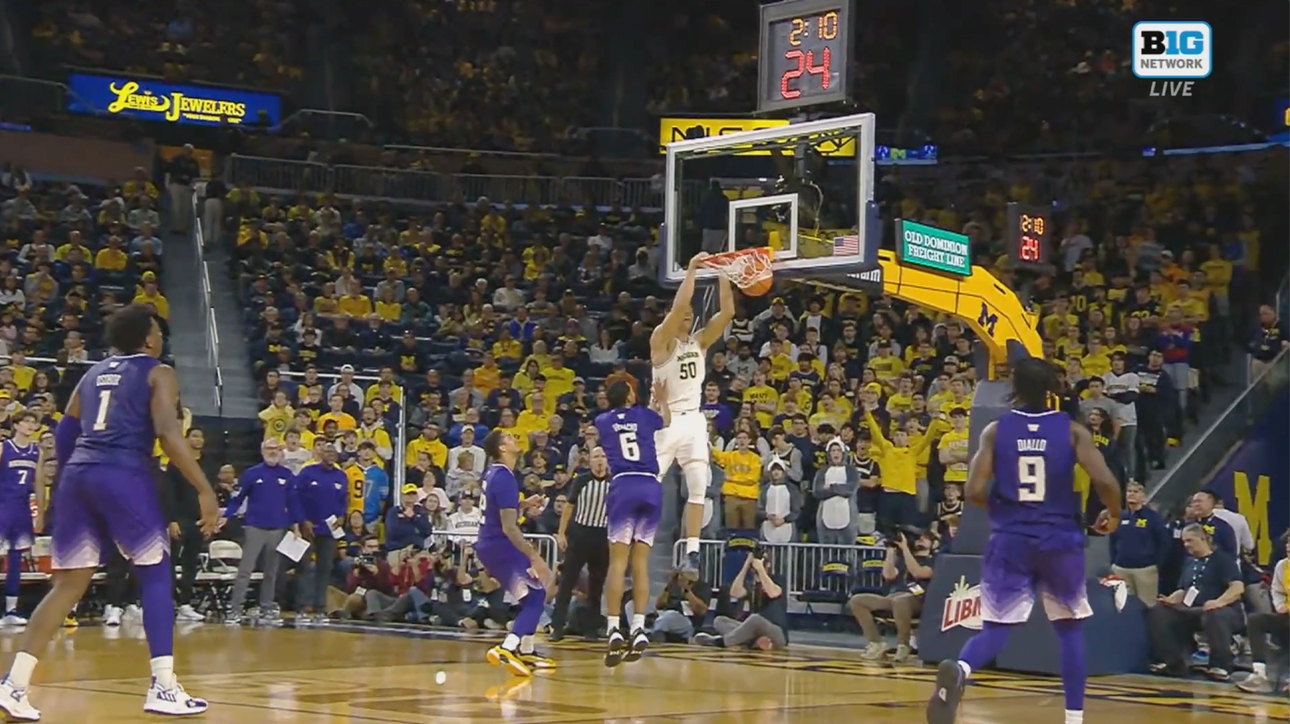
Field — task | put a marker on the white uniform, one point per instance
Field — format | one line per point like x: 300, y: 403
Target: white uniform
x: 686, y: 439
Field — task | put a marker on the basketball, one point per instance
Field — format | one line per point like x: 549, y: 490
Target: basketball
x: 759, y: 287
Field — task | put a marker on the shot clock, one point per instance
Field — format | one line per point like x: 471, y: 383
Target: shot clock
x: 805, y: 54
x: 1029, y: 235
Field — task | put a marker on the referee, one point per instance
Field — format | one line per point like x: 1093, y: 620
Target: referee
x: 584, y: 539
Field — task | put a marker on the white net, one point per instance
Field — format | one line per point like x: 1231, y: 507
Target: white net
x: 744, y: 268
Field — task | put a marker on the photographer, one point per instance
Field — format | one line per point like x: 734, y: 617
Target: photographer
x: 370, y: 572
x: 410, y: 576
x: 450, y: 592
x: 904, y: 572
x: 681, y: 606
x: 765, y: 626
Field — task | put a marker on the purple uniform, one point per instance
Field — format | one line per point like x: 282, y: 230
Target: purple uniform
x: 18, y: 465
x: 634, y: 503
x: 1036, y: 540
x: 107, y: 493
x: 496, y: 553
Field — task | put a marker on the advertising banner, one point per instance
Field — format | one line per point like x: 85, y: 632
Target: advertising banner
x: 155, y: 100
x: 1116, y: 639
x: 933, y: 248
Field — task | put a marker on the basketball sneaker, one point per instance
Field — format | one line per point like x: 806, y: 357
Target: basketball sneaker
x: 943, y: 707
x: 132, y: 614
x: 640, y: 642
x: 172, y: 701
x: 187, y: 613
x: 509, y: 660
x: 70, y: 621
x: 617, y: 649
x: 537, y: 662
x: 13, y: 619
x: 14, y: 703
x: 112, y: 615
x: 1256, y: 684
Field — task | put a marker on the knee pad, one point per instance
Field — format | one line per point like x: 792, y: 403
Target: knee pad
x: 697, y: 475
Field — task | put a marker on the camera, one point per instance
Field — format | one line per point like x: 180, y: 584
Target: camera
x: 365, y: 560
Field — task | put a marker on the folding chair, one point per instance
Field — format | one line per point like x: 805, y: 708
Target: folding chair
x: 214, y: 589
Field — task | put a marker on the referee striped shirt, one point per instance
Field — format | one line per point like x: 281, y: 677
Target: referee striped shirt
x: 587, y: 495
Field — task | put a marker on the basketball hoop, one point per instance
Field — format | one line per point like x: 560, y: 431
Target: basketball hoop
x: 749, y: 269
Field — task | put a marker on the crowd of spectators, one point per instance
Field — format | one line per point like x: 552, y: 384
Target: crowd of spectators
x: 258, y: 43
x: 71, y: 256
x: 547, y: 65
x: 538, y: 63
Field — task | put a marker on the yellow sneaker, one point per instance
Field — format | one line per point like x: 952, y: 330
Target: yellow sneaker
x: 537, y: 662
x: 511, y: 661
x: 71, y: 622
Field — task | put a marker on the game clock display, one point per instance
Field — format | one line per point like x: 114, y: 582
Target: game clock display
x: 1030, y: 230
x: 805, y: 54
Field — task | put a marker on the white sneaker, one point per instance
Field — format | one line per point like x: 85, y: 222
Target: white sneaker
x: 112, y: 616
x: 132, y: 613
x: 13, y: 702
x: 13, y: 619
x: 187, y: 613
x: 874, y: 651
x: 173, y: 701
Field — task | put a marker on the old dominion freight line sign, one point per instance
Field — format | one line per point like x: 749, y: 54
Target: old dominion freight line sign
x: 933, y: 248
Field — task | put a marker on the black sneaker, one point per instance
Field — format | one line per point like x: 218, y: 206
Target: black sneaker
x: 640, y: 642
x: 617, y: 649
x: 556, y: 635
x: 943, y: 707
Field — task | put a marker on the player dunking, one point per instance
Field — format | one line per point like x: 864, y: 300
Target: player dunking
x: 21, y: 464
x: 107, y: 496
x: 508, y: 557
x: 1036, y: 535
x: 680, y: 362
x: 633, y: 506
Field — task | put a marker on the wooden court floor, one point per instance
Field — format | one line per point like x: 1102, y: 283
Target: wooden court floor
x: 330, y: 676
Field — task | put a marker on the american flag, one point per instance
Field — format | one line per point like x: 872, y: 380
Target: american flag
x: 846, y: 245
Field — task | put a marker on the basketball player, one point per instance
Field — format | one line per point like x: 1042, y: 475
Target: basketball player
x: 107, y: 496
x: 1036, y: 535
x: 508, y: 557
x: 21, y: 464
x: 679, y: 361
x: 633, y: 505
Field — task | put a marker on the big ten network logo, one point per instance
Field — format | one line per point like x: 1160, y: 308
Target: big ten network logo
x: 1172, y: 54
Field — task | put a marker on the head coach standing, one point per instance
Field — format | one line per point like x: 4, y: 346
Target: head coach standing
x: 583, y: 538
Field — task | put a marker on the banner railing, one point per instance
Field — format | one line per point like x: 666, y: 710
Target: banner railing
x: 287, y: 177
x: 801, y: 569
x: 202, y: 270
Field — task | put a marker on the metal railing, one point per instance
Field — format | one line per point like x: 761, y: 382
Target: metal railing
x: 544, y: 544
x: 211, y: 338
x: 801, y: 568
x: 283, y: 176
x: 398, y: 437
x: 1195, y: 467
